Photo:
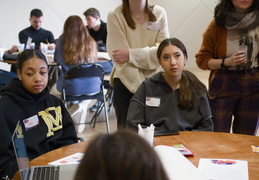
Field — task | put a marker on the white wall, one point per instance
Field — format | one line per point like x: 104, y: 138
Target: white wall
x: 187, y: 18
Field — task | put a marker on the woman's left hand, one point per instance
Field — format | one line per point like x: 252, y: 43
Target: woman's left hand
x: 120, y: 56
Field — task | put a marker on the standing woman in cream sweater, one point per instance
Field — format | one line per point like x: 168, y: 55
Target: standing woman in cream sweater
x: 135, y: 30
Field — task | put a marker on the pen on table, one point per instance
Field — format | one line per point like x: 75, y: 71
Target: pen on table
x: 48, y: 44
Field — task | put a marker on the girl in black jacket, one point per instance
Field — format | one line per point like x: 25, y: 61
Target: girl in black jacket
x: 45, y: 121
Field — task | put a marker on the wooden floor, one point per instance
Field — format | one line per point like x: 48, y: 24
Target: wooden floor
x: 100, y: 127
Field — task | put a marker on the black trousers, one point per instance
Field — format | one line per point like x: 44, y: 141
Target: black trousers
x: 121, y: 101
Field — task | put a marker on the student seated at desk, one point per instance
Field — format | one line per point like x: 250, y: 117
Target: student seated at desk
x: 47, y: 123
x: 123, y: 155
x: 75, y: 46
x: 96, y: 27
x: 36, y: 33
x: 171, y: 100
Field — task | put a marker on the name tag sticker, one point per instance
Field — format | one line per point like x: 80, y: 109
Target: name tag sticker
x: 153, y: 101
x: 153, y: 26
x: 31, y: 122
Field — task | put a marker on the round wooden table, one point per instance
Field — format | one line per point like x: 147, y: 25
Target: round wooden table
x: 216, y: 145
x: 204, y: 145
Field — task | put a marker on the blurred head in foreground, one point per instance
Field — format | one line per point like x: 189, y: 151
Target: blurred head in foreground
x: 121, y: 155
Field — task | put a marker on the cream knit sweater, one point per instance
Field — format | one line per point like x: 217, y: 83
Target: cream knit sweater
x: 142, y: 44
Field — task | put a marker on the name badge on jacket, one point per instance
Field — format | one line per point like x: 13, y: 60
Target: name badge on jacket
x: 153, y: 101
x: 153, y: 26
x: 31, y: 122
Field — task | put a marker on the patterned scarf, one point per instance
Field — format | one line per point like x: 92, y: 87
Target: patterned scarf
x: 248, y: 24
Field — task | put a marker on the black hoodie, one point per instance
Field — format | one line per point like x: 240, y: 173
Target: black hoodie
x: 55, y: 128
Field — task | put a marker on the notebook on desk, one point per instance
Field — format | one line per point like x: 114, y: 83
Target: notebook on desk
x: 64, y: 172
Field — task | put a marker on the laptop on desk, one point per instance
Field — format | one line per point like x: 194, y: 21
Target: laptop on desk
x: 64, y: 172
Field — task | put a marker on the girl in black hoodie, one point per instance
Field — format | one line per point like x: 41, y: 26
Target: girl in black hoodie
x: 46, y: 123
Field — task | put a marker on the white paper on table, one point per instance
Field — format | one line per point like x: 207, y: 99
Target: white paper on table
x: 224, y: 171
x: 28, y: 44
x: 103, y: 55
x: 72, y: 159
x: 177, y: 166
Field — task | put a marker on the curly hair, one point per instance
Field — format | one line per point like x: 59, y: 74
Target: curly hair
x: 226, y: 6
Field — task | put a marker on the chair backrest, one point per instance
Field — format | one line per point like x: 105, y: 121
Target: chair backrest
x: 5, y: 77
x: 107, y: 66
x: 83, y: 79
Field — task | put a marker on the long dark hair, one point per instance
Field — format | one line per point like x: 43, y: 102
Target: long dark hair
x: 127, y: 14
x: 226, y: 6
x: 190, y: 86
x: 28, y: 54
x: 123, y: 155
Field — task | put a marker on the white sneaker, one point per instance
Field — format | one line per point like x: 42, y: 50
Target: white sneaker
x: 78, y: 113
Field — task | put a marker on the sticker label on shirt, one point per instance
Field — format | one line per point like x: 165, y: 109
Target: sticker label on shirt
x: 153, y: 26
x: 153, y: 101
x: 31, y: 122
